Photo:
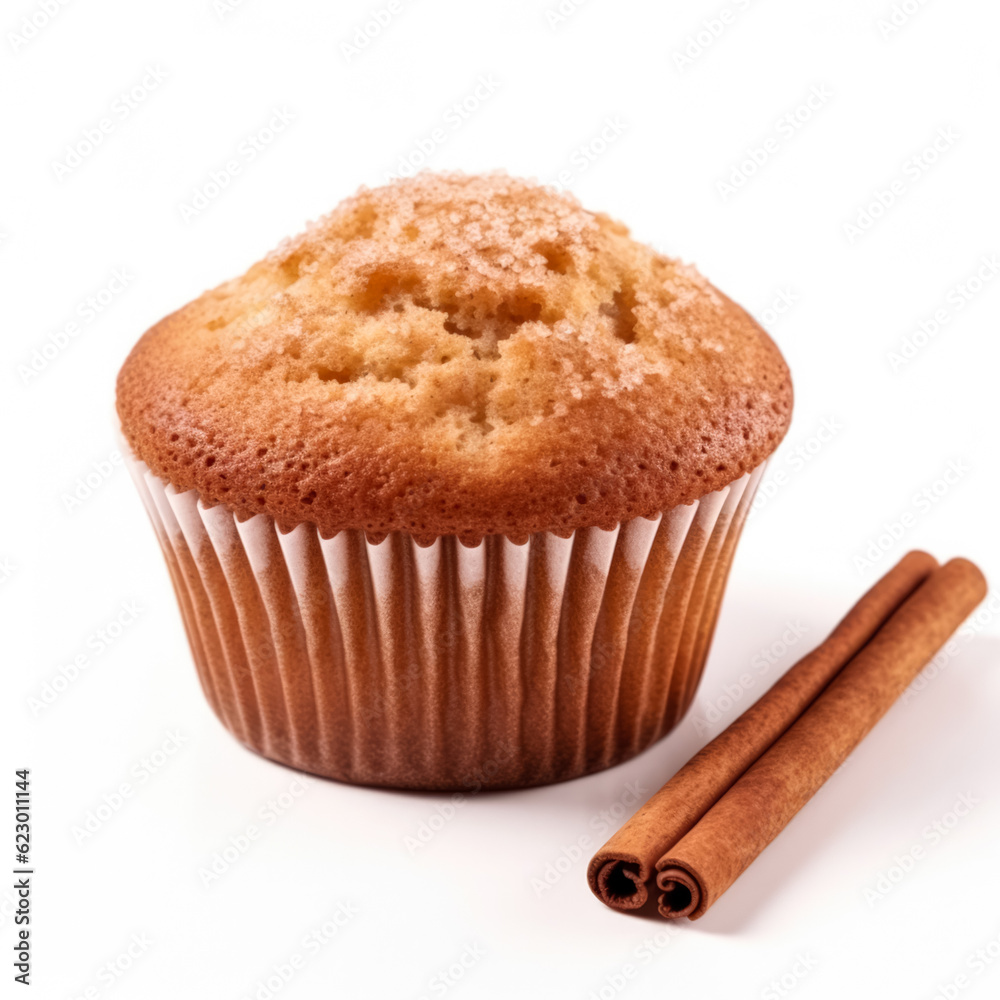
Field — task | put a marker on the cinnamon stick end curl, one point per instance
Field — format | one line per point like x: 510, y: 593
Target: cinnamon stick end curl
x: 619, y: 881
x: 681, y: 894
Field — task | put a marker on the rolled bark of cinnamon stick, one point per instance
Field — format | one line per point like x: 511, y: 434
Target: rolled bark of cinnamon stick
x: 695, y: 872
x: 620, y: 872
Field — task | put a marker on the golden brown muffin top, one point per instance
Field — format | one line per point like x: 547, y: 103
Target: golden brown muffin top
x: 461, y: 355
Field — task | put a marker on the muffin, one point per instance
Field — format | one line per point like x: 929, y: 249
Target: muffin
x: 449, y: 485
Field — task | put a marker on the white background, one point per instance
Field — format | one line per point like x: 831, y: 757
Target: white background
x: 805, y: 918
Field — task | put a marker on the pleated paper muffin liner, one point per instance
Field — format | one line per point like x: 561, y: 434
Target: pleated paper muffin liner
x: 445, y: 666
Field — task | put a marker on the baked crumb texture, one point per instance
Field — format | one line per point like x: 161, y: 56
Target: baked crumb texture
x: 456, y: 355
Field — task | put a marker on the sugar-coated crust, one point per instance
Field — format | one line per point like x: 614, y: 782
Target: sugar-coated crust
x: 461, y: 355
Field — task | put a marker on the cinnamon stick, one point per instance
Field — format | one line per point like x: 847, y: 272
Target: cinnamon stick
x: 697, y: 871
x: 620, y: 872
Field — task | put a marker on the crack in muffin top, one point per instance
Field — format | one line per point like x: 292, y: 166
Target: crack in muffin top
x: 456, y: 354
